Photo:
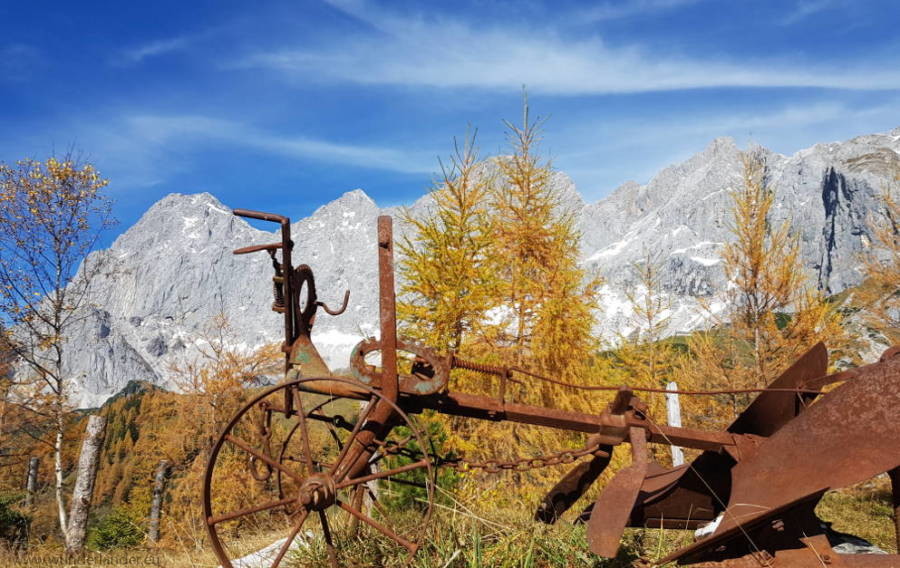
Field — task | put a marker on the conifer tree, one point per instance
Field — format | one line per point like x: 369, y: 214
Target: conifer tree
x: 644, y: 353
x: 218, y: 378
x: 447, y: 259
x: 493, y: 273
x: 880, y: 294
x: 645, y: 356
x: 772, y: 315
x: 545, y: 300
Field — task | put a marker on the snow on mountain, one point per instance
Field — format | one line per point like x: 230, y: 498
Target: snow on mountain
x: 167, y: 276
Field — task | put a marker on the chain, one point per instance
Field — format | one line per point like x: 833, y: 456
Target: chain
x: 522, y: 464
x: 494, y: 465
x: 506, y: 374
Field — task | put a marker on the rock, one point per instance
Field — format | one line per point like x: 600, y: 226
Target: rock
x: 171, y: 273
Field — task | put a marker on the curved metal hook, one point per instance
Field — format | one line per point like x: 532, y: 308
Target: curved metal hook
x: 336, y: 312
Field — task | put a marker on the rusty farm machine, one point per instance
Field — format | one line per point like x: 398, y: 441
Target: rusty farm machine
x: 314, y: 450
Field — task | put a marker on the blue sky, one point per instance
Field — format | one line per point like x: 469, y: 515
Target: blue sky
x: 286, y: 105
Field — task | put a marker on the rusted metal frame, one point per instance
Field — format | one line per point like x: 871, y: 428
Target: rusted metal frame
x: 286, y: 246
x: 486, y: 408
x: 613, y: 507
x: 357, y: 457
x: 573, y: 485
x: 390, y: 385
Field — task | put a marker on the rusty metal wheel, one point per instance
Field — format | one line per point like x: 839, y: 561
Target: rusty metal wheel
x: 327, y: 459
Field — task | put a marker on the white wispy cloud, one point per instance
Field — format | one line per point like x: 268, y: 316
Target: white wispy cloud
x: 430, y: 51
x: 615, y: 11
x: 135, y: 55
x: 806, y: 8
x: 162, y: 131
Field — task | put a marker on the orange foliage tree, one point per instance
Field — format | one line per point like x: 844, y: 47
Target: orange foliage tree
x: 881, y: 293
x: 772, y: 312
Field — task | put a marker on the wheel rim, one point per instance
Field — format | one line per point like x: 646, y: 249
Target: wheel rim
x: 311, y: 486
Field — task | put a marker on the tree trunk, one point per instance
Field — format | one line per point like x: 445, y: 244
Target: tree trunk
x: 84, y: 485
x: 31, y: 481
x: 159, y: 483
x: 58, y: 472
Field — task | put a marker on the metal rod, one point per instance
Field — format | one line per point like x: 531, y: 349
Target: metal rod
x: 410, y: 546
x: 266, y: 459
x: 287, y: 271
x: 390, y: 385
x: 290, y: 538
x: 249, y: 510
x: 382, y: 474
x: 486, y: 408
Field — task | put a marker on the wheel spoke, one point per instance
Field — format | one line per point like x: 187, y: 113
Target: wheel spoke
x: 381, y: 510
x: 326, y: 532
x: 383, y: 474
x: 246, y: 447
x: 356, y: 501
x: 250, y: 510
x: 304, y: 434
x: 356, y: 427
x: 410, y: 546
x: 301, y: 460
x: 290, y: 539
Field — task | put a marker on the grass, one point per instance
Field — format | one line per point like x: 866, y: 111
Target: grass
x: 863, y: 510
x: 465, y: 533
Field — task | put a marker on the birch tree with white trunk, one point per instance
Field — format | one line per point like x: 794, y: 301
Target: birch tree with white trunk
x: 88, y: 462
x: 52, y: 214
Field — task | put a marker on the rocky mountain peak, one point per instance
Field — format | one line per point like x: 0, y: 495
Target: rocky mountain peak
x: 173, y: 271
x: 721, y: 145
x: 195, y: 217
x: 356, y: 200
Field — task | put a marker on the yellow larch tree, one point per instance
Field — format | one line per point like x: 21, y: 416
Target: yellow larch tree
x: 494, y: 275
x: 643, y: 350
x: 216, y: 381
x: 545, y: 302
x: 447, y: 258
x: 773, y: 314
x: 645, y: 356
x: 880, y: 294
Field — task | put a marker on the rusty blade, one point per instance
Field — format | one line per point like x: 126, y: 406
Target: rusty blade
x: 772, y: 409
x: 848, y: 436
x: 614, y: 506
x: 571, y: 487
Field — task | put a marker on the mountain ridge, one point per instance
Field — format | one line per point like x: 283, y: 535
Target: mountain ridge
x: 172, y: 271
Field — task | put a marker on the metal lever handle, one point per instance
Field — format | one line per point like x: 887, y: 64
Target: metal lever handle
x: 336, y: 312
x: 254, y: 248
x: 261, y: 216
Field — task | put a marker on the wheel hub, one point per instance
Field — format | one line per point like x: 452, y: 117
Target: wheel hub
x: 317, y: 492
